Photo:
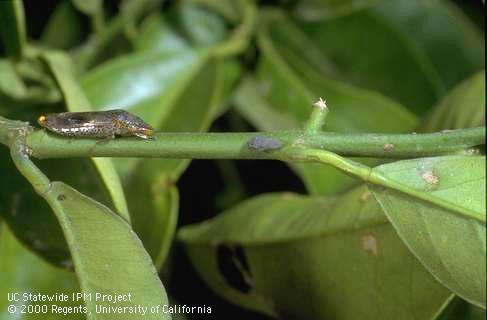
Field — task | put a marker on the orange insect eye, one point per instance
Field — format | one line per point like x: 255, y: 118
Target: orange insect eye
x: 41, y: 120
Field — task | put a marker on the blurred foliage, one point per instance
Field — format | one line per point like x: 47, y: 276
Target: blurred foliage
x: 332, y: 252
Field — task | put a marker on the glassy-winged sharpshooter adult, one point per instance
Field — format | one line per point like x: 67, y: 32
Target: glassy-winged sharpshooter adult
x: 97, y: 124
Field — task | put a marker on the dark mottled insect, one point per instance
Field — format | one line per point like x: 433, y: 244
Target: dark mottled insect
x: 261, y: 143
x: 98, y: 124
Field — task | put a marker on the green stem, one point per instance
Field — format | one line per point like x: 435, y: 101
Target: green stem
x: 240, y: 38
x: 374, y: 177
x: 13, y: 134
x: 317, y: 118
x: 235, y: 145
x: 27, y: 168
x: 11, y: 128
x: 294, y: 147
x: 348, y: 166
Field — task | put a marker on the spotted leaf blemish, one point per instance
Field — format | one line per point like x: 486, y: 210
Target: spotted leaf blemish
x: 365, y: 195
x: 388, y: 147
x: 99, y: 124
x: 261, y: 143
x: 369, y: 244
x: 430, y: 177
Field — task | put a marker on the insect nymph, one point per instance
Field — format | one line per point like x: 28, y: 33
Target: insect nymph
x: 98, y: 124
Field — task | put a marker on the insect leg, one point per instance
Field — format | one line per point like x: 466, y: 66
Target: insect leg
x: 106, y: 139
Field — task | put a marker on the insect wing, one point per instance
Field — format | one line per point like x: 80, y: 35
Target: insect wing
x: 95, y: 124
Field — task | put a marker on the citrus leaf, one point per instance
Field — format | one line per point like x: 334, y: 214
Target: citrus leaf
x: 108, y: 257
x: 463, y: 107
x: 228, y: 9
x: 111, y: 264
x: 76, y: 100
x: 204, y: 28
x: 454, y: 45
x: 27, y: 215
x: 176, y: 84
x: 156, y: 220
x: 11, y: 84
x: 299, y: 257
x: 446, y: 229
x: 156, y: 204
x: 30, y: 218
x: 25, y: 85
x: 370, y: 52
x: 157, y: 34
x: 329, y: 9
x: 89, y: 7
x: 253, y: 107
x: 63, y: 18
x: 278, y: 70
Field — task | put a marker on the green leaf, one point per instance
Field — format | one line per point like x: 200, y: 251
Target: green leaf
x: 12, y: 27
x: 454, y: 45
x: 298, y: 257
x: 109, y: 42
x: 368, y: 51
x: 30, y: 218
x: 182, y: 90
x: 22, y: 271
x: 146, y: 84
x: 156, y: 220
x: 329, y: 9
x: 228, y: 9
x: 203, y: 27
x: 187, y: 25
x: 446, y: 229
x: 11, y: 84
x: 89, y: 7
x: 279, y: 70
x: 27, y: 215
x: 253, y: 107
x: 234, y: 190
x: 25, y: 84
x: 155, y: 205
x: 286, y: 88
x: 76, y: 101
x: 108, y: 257
x: 132, y: 80
x: 66, y: 19
x: 157, y: 34
x: 463, y: 107
x: 432, y: 42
